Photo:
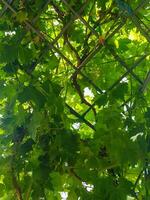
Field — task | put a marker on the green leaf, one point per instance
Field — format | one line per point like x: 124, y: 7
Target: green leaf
x: 2, y: 189
x: 147, y: 113
x: 24, y: 55
x: 21, y: 16
x: 102, y: 4
x: 27, y: 146
x: 72, y: 196
x: 11, y: 68
x: 77, y: 35
x: 35, y: 123
x: 8, y: 53
x: 57, y: 181
x: 48, y: 56
x: 102, y: 100
x: 53, y: 62
x: 31, y: 93
x: 123, y: 44
x: 120, y: 91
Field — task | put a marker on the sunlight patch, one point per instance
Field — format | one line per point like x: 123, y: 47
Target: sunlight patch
x: 88, y: 92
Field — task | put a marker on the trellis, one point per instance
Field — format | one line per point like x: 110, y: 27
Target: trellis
x: 78, y: 66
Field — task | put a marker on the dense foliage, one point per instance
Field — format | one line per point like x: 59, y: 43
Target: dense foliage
x: 74, y: 100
